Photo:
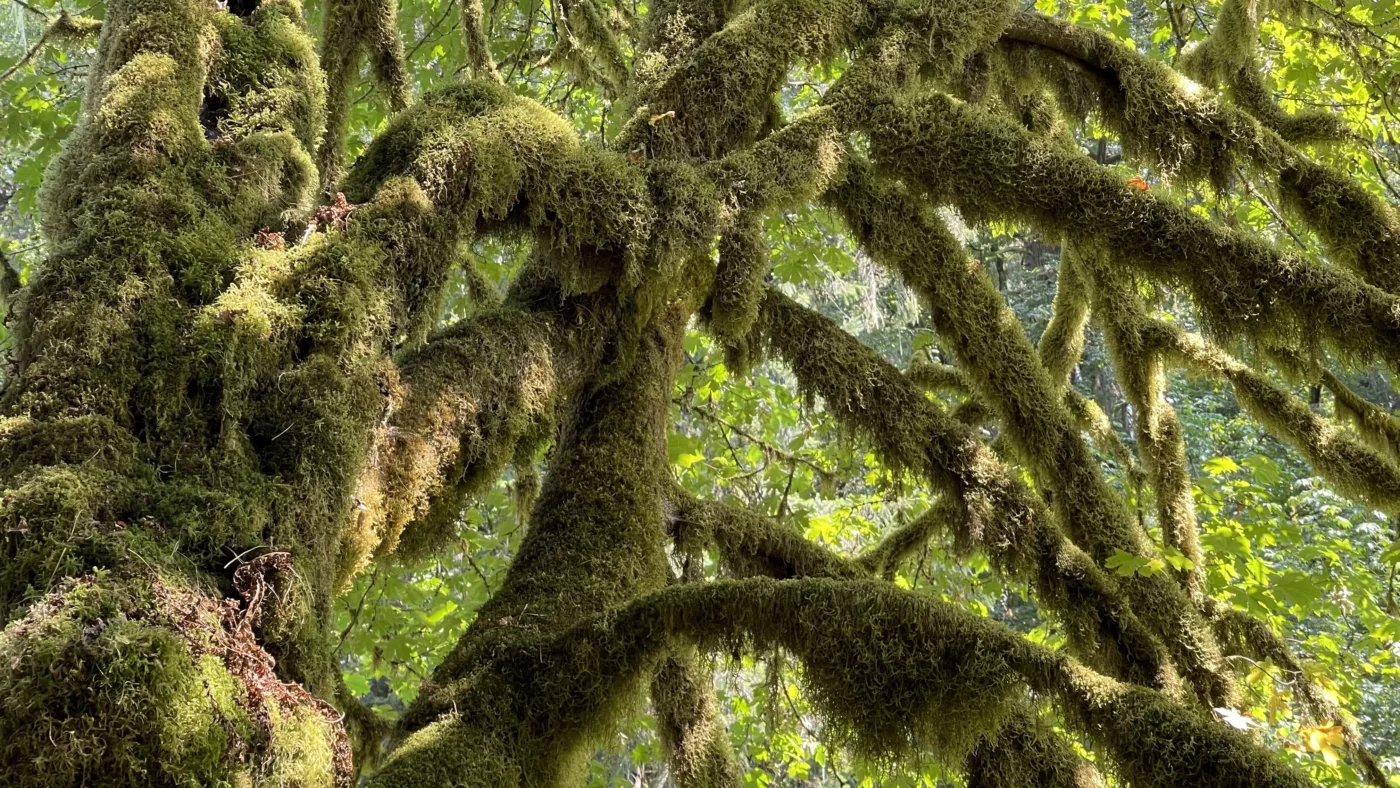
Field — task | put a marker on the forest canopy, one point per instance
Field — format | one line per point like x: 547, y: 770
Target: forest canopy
x: 700, y: 393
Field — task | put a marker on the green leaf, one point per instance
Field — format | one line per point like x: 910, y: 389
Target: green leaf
x: 1219, y: 466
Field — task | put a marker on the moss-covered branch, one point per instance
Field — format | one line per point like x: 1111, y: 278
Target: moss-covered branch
x: 885, y: 668
x: 467, y: 398
x: 992, y: 510
x: 1242, y: 286
x: 1138, y: 361
x: 1175, y: 125
x: 352, y: 30
x: 1352, y: 467
x: 904, y: 234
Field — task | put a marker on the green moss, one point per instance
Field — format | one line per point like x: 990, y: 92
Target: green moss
x: 1362, y: 230
x: 1229, y: 55
x: 359, y: 29
x: 1241, y: 286
x: 690, y: 727
x: 114, y: 678
x: 1026, y: 751
x: 1062, y: 343
x: 743, y: 263
x: 988, y: 508
x: 1137, y: 357
x: 470, y: 396
x: 1348, y: 464
x: 905, y: 235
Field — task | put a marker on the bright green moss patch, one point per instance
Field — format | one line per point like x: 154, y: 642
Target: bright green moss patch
x: 121, y: 676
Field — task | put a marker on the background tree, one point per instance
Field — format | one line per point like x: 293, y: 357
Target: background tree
x: 282, y: 366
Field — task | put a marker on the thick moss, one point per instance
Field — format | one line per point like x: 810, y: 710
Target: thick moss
x: 470, y: 395
x: 1242, y: 287
x: 688, y: 721
x: 905, y: 235
x: 1139, y: 364
x: 116, y: 678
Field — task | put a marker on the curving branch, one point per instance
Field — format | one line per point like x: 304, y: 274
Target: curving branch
x: 886, y: 668
x: 1182, y: 129
x: 1242, y: 287
x: 905, y: 235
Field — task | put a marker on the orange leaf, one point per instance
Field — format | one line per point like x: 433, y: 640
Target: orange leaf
x: 1138, y: 183
x: 663, y: 116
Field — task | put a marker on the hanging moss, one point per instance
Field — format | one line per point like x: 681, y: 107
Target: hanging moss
x: 690, y: 727
x: 743, y: 263
x: 989, y: 509
x: 1187, y: 131
x: 749, y: 545
x: 357, y: 28
x: 479, y: 59
x: 1062, y: 343
x: 1362, y: 231
x: 886, y: 669
x: 1241, y: 286
x: 1376, y: 426
x: 1025, y: 752
x: 973, y: 319
x: 470, y: 395
x: 1138, y: 361
x: 1350, y: 466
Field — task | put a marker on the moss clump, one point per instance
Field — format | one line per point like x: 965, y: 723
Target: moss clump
x: 1230, y: 56
x: 1062, y: 343
x: 114, y: 677
x: 470, y: 396
x: 743, y: 263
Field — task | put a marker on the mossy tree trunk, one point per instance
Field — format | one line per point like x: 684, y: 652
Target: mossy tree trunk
x: 211, y: 428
